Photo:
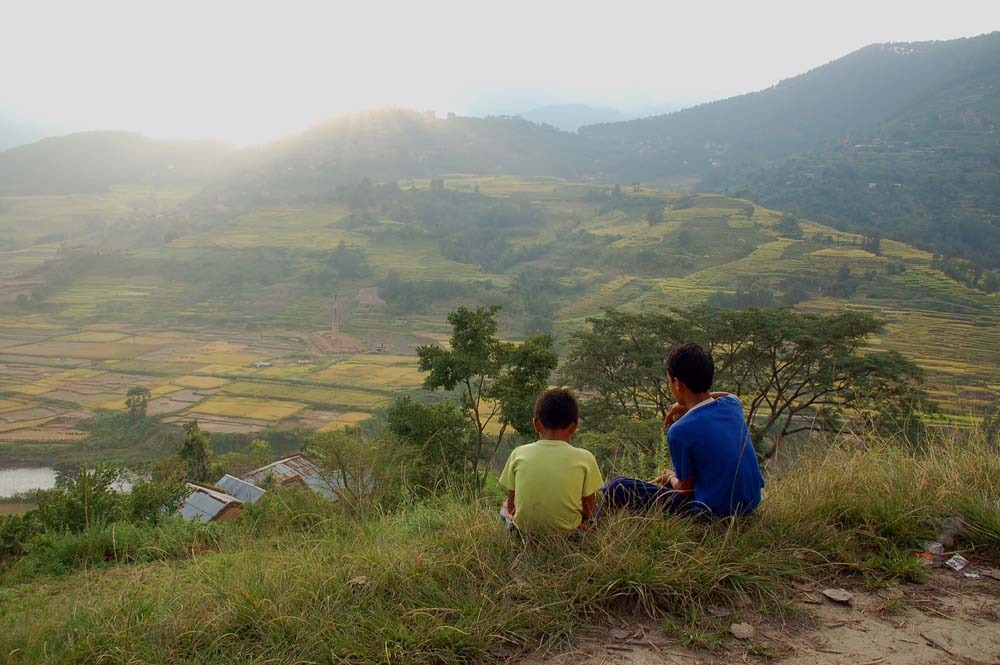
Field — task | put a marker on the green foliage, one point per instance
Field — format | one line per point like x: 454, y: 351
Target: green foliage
x: 136, y: 400
x: 108, y: 544
x: 438, y: 432
x: 497, y: 380
x: 442, y: 582
x: 366, y: 471
x: 195, y: 451
x: 794, y: 371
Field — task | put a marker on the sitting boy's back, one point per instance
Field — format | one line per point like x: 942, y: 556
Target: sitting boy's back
x: 712, y: 443
x: 552, y: 483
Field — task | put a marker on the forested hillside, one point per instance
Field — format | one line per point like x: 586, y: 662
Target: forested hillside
x: 94, y: 161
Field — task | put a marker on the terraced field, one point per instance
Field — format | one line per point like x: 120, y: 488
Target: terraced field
x: 239, y: 358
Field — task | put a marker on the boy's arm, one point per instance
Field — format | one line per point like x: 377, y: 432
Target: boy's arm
x: 587, y: 506
x: 510, y: 502
x: 670, y: 479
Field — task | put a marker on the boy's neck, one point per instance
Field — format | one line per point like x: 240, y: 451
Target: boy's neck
x: 690, y: 399
x: 555, y: 435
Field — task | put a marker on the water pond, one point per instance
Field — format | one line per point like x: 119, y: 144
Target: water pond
x: 17, y: 480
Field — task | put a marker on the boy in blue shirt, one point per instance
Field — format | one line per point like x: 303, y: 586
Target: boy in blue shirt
x: 715, y: 466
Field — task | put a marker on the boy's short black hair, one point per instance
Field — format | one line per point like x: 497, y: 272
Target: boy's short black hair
x: 557, y: 408
x: 692, y: 365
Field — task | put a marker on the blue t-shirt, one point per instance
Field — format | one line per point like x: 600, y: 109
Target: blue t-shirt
x: 712, y: 443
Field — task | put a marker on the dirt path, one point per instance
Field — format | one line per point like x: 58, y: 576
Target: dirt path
x: 948, y: 619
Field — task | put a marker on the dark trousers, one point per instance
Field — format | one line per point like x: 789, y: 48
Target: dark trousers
x: 638, y: 495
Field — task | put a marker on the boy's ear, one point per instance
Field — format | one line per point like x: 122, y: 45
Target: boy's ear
x: 573, y: 427
x: 538, y: 426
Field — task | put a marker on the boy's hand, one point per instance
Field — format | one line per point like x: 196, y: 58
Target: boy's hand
x: 674, y: 414
x: 665, y: 478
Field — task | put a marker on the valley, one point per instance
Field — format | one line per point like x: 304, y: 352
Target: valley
x: 229, y: 323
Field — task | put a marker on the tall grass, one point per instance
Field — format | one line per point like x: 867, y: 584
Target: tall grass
x: 441, y: 582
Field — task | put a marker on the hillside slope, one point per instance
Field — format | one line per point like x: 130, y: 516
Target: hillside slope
x: 825, y: 105
x: 94, y: 161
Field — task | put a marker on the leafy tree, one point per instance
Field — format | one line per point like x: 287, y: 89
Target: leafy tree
x: 439, y: 433
x: 88, y: 498
x: 195, y: 451
x: 793, y: 371
x: 136, y: 400
x: 363, y: 471
x: 789, y: 227
x: 261, y: 453
x: 497, y: 380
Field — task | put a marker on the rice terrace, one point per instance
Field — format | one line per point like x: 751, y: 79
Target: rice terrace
x: 236, y: 364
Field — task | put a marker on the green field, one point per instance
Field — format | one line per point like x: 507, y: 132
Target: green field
x: 219, y: 320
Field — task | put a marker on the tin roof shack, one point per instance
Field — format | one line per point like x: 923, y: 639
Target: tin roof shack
x: 240, y: 489
x: 295, y: 469
x: 207, y: 505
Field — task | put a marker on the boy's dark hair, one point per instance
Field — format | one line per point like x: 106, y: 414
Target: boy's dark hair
x: 693, y: 366
x: 557, y: 408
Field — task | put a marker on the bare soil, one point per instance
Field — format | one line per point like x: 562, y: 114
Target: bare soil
x: 947, y: 619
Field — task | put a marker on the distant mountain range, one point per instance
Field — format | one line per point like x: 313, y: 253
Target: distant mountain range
x: 898, y: 139
x: 570, y: 117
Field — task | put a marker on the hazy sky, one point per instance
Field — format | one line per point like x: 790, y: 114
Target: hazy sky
x: 250, y: 71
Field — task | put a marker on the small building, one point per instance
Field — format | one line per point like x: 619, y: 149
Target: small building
x: 296, y: 469
x: 240, y: 489
x: 207, y: 505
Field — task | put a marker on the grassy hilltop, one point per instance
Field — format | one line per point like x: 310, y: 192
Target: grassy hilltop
x: 146, y: 288
x: 439, y: 581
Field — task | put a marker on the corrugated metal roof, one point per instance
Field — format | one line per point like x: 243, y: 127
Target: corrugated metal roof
x: 203, y: 504
x: 290, y: 469
x: 240, y: 489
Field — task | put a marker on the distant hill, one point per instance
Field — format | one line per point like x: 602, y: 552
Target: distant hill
x: 15, y: 131
x: 390, y: 144
x: 93, y: 161
x: 570, y: 117
x: 820, y: 108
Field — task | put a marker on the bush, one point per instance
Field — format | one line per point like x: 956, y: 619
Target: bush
x: 108, y: 544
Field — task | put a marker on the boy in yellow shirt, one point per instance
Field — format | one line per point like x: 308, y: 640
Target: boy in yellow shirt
x: 551, y: 485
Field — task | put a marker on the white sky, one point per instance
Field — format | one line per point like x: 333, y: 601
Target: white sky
x: 250, y: 71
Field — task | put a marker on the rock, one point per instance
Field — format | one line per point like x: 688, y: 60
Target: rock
x: 358, y: 581
x: 620, y: 634
x: 742, y: 631
x: 718, y: 611
x: 838, y: 595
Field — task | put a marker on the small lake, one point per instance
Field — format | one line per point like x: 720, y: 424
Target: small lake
x: 25, y: 479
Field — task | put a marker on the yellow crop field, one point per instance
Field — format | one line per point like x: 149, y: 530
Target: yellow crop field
x: 247, y: 407
x: 8, y: 404
x: 345, y: 419
x: 326, y: 396
x: 54, y: 381
x: 92, y: 336
x: 202, y: 382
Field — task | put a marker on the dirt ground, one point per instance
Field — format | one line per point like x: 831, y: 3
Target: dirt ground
x: 947, y: 619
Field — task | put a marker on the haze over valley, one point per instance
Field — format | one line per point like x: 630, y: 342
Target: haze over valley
x: 215, y: 258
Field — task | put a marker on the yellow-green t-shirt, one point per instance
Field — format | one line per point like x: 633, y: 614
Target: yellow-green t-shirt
x: 549, y: 478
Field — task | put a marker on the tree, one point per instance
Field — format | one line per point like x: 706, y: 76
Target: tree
x: 195, y: 450
x: 497, y: 380
x: 260, y: 453
x: 789, y: 227
x: 136, y: 400
x: 793, y: 371
x: 438, y: 432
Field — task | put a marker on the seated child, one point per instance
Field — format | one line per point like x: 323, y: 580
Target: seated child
x: 715, y: 465
x: 551, y: 485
